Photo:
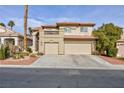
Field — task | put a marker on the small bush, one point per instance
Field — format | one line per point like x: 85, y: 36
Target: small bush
x: 18, y: 56
x: 7, y: 51
x: 40, y: 53
x: 14, y: 56
x: 2, y: 53
x: 29, y: 50
x: 21, y: 56
x: 25, y: 53
x: 33, y: 55
x: 112, y: 52
x: 121, y: 58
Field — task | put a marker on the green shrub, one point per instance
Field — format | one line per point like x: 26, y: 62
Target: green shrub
x: 25, y: 53
x: 29, y: 50
x: 7, y: 51
x: 121, y: 58
x: 14, y: 56
x: 40, y: 53
x: 33, y: 55
x: 18, y: 56
x: 2, y: 52
x: 21, y: 56
x: 1, y: 55
x: 112, y: 52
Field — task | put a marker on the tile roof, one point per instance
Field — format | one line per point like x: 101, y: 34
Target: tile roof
x: 8, y: 32
x: 36, y: 28
x: 74, y: 24
x: 64, y: 24
x: 49, y: 26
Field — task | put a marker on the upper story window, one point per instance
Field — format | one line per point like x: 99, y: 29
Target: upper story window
x: 51, y: 32
x: 84, y: 29
x: 67, y: 30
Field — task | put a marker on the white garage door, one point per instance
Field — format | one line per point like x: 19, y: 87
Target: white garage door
x: 77, y: 48
x: 51, y: 48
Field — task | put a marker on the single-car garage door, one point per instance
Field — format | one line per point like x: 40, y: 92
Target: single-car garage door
x: 77, y: 48
x: 51, y: 48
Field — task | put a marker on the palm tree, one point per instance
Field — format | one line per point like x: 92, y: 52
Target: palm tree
x: 25, y: 25
x: 30, y: 31
x: 11, y: 24
x: 2, y: 24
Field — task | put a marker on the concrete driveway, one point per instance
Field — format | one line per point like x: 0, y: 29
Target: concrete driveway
x: 71, y: 61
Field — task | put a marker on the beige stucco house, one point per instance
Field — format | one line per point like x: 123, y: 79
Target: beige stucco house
x: 64, y: 38
x: 120, y: 46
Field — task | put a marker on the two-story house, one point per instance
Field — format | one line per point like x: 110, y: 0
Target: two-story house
x: 64, y: 38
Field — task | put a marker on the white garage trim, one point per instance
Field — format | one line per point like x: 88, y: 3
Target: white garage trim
x: 51, y: 48
x: 77, y: 48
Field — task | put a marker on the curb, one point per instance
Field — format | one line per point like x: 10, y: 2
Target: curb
x: 61, y: 67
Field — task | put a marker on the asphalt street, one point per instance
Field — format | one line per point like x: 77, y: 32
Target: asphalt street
x: 60, y: 78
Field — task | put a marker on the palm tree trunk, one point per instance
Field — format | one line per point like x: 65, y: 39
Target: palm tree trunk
x: 25, y: 25
x: 11, y: 28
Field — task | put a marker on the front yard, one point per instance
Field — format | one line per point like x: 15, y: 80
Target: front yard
x: 113, y: 60
x: 25, y: 61
x: 15, y: 56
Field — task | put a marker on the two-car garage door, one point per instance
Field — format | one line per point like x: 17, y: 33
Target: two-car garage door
x: 77, y: 48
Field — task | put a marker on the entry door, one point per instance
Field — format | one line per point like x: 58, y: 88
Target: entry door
x: 51, y: 48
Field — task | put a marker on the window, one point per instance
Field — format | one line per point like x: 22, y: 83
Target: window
x: 51, y: 32
x: 68, y: 30
x: 83, y: 29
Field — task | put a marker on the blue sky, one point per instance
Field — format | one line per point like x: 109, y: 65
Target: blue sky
x: 42, y: 14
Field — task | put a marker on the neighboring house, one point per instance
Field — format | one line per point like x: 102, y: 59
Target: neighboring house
x: 64, y: 38
x: 120, y: 46
x: 11, y: 37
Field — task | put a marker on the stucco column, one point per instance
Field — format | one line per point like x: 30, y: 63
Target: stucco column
x: 34, y: 43
x: 2, y: 40
x: 16, y: 41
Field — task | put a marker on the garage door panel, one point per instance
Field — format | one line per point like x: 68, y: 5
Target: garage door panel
x: 51, y: 48
x: 77, y: 48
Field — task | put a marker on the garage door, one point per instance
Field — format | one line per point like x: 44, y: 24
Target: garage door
x: 77, y: 48
x: 51, y: 48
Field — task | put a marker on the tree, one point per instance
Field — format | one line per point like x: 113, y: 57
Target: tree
x: 30, y: 31
x: 2, y: 24
x: 25, y: 25
x: 107, y: 34
x: 11, y: 24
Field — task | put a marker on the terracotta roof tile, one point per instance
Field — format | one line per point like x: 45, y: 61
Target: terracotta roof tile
x: 49, y: 26
x: 74, y: 24
x: 36, y: 28
x: 10, y: 33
